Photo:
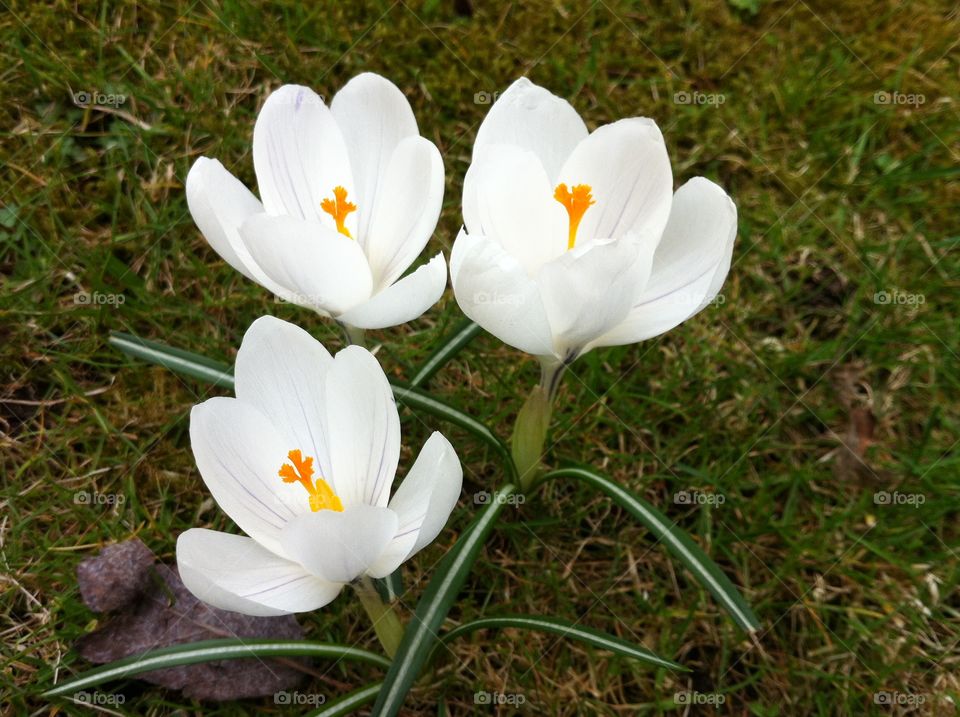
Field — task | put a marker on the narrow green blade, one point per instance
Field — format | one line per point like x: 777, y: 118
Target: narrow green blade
x: 209, y: 651
x: 452, y: 344
x: 566, y: 629
x: 418, y: 400
x: 177, y: 360
x: 390, y: 587
x: 707, y: 572
x: 349, y: 703
x: 419, y: 638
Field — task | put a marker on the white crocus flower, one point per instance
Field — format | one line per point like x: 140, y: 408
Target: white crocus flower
x: 303, y: 460
x: 575, y: 240
x: 350, y: 195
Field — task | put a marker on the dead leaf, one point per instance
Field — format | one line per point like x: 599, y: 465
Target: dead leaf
x: 856, y: 397
x: 153, y: 609
x: 116, y: 576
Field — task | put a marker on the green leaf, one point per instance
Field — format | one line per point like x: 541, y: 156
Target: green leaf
x: 391, y: 587
x: 419, y: 400
x: 567, y: 629
x: 220, y: 374
x: 177, y: 360
x: 419, y: 638
x: 208, y: 651
x: 677, y: 541
x: 348, y: 703
x: 446, y: 351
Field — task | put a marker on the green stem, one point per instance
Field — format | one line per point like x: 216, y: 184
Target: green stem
x: 533, y: 422
x: 354, y: 336
x: 386, y: 622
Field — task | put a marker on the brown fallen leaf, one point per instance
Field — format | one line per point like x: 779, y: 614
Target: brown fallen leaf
x: 856, y: 397
x: 116, y: 576
x: 153, y: 609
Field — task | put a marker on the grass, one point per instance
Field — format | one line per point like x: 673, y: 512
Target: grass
x: 797, y: 399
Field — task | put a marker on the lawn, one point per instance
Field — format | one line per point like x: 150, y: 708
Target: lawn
x: 811, y: 401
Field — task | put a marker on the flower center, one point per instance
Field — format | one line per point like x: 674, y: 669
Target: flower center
x: 339, y: 208
x: 576, y: 201
x: 322, y: 496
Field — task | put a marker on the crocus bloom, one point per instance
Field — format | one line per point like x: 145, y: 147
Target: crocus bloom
x: 303, y: 460
x: 575, y: 240
x: 350, y: 195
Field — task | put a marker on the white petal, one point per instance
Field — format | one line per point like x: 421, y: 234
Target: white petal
x: 464, y: 245
x: 300, y: 155
x: 423, y: 503
x: 281, y: 371
x: 363, y: 428
x: 493, y: 289
x: 719, y: 276
x: 340, y: 546
x: 404, y: 301
x: 589, y: 290
x: 232, y: 572
x: 219, y: 202
x: 689, y: 267
x: 531, y: 117
x: 407, y: 209
x: 320, y: 268
x: 699, y: 235
x: 508, y: 197
x: 239, y: 454
x: 374, y: 117
x: 626, y: 165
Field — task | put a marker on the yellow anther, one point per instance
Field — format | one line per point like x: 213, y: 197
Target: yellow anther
x: 339, y: 208
x: 322, y: 496
x: 576, y: 201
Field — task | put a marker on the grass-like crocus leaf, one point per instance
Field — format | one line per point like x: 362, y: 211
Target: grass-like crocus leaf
x: 677, y: 541
x: 208, y: 651
x: 177, y: 360
x: 419, y: 638
x: 566, y: 629
x: 391, y: 587
x: 418, y: 400
x: 452, y: 344
x: 220, y: 374
x: 349, y: 703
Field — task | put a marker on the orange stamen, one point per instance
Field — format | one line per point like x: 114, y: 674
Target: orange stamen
x: 576, y: 202
x: 322, y: 496
x: 339, y: 208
